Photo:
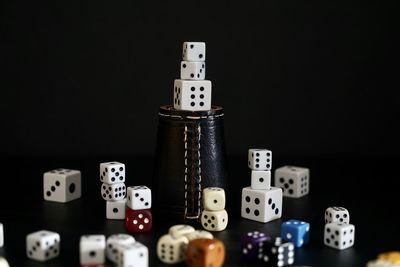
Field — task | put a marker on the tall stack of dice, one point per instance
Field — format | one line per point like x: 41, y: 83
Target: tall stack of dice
x: 260, y: 201
x: 338, y: 232
x: 113, y: 190
x: 214, y: 216
x: 192, y: 92
x: 138, y: 217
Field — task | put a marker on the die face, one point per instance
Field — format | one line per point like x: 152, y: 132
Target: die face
x: 277, y: 254
x: 339, y: 236
x: 251, y: 244
x: 139, y: 197
x: 214, y: 199
x: 112, y: 172
x: 170, y: 249
x: 113, y: 242
x: 1, y: 235
x: 113, y: 191
x: 193, y: 70
x: 135, y: 254
x: 261, y: 180
x: 260, y: 159
x: 261, y: 205
x: 192, y: 95
x: 194, y: 51
x: 294, y: 181
x: 199, y: 234
x: 295, y: 231
x: 138, y: 221
x: 62, y: 185
x: 92, y: 249
x: 205, y: 252
x: 43, y: 245
x: 337, y: 215
x: 214, y: 220
x: 115, y: 210
x: 180, y: 229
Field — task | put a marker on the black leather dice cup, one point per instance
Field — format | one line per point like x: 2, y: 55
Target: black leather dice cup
x: 190, y: 155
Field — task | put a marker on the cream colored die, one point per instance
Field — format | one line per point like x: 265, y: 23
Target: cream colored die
x: 170, y: 249
x: 180, y: 229
x: 199, y: 234
x: 213, y: 199
x: 214, y: 220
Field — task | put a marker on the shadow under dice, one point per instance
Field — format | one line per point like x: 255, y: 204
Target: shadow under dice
x: 43, y: 245
x: 62, y: 185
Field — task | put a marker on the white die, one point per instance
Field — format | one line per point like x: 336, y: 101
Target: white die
x: 115, y: 210
x: 192, y: 95
x: 42, y: 245
x: 194, y: 51
x: 261, y: 180
x: 337, y: 215
x: 114, y: 241
x: 180, y: 229
x: 135, y: 254
x: 294, y: 181
x: 112, y: 172
x: 339, y: 236
x: 199, y: 234
x: 213, y: 198
x: 214, y: 220
x: 171, y: 249
x: 261, y: 205
x: 139, y: 197
x: 1, y: 235
x: 3, y: 262
x: 193, y: 70
x: 62, y: 185
x: 92, y: 249
x: 113, y: 191
x: 260, y: 159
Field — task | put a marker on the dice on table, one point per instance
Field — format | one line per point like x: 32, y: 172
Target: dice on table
x: 277, y: 253
x: 205, y: 252
x: 112, y: 172
x: 115, y: 210
x: 337, y: 215
x: 138, y: 221
x: 295, y: 231
x: 199, y: 234
x: 180, y: 229
x: 135, y: 254
x: 62, y: 185
x: 139, y: 197
x: 3, y: 262
x: 339, y: 236
x: 43, y: 245
x: 92, y: 249
x: 214, y: 220
x: 170, y: 249
x: 192, y: 95
x: 251, y: 243
x: 260, y: 159
x: 1, y: 235
x: 113, y: 191
x: 261, y: 205
x: 294, y: 181
x: 191, y: 70
x: 114, y: 241
x: 261, y: 180
x: 213, y: 198
x: 194, y: 51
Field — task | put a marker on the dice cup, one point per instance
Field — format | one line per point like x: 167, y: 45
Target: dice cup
x: 190, y: 155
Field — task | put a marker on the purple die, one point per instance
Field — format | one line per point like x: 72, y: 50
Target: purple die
x: 251, y: 243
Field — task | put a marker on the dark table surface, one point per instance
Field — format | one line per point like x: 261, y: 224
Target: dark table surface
x: 367, y: 187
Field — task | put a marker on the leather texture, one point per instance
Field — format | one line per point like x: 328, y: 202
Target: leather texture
x: 190, y: 155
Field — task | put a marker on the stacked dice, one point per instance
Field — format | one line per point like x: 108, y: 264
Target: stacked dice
x: 192, y: 92
x: 138, y: 217
x: 261, y: 202
x: 113, y: 190
x: 338, y: 233
x: 214, y: 216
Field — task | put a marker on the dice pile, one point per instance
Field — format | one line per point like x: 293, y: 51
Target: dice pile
x: 113, y: 189
x: 214, y: 216
x: 387, y: 259
x: 192, y: 92
x: 338, y: 233
x: 139, y: 217
x: 294, y: 181
x: 62, y: 185
x: 260, y: 201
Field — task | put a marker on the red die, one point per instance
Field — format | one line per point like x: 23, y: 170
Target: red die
x: 138, y: 221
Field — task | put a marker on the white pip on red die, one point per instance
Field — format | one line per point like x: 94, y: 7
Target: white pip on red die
x: 260, y: 159
x: 112, y: 172
x: 193, y: 70
x: 62, y: 185
x: 213, y: 198
x: 192, y: 95
x: 194, y: 51
x: 114, y: 241
x: 261, y: 205
x: 171, y: 249
x: 135, y: 254
x: 92, y: 249
x: 1, y: 235
x: 261, y: 180
x: 115, y: 210
x: 214, y: 220
x: 139, y: 197
x: 42, y: 245
x: 337, y: 215
x: 294, y: 181
x: 339, y: 236
x: 113, y: 191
